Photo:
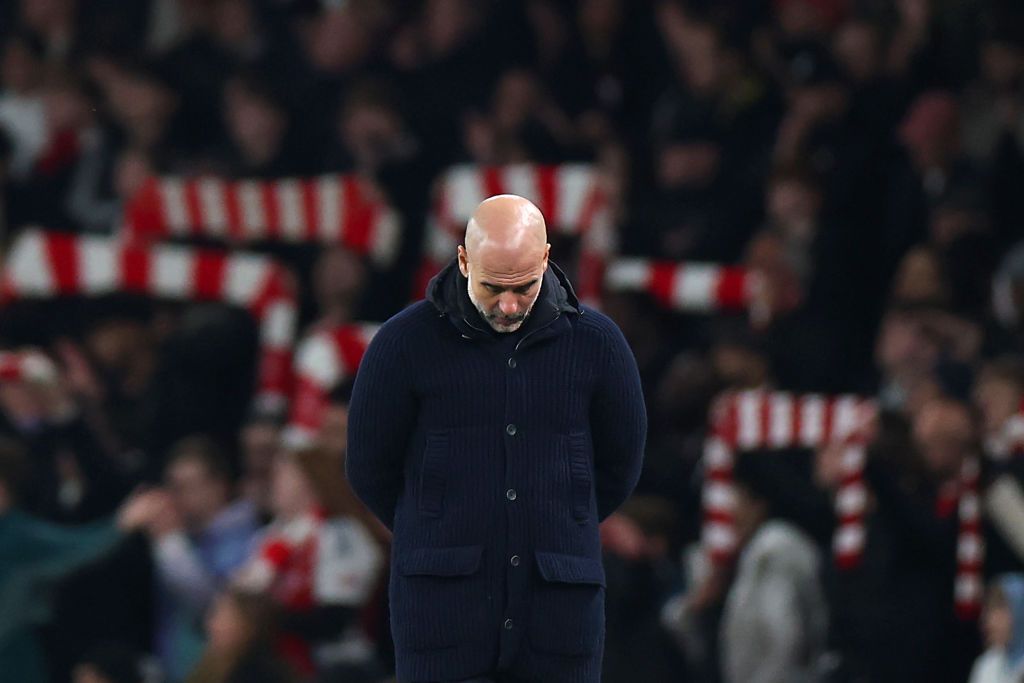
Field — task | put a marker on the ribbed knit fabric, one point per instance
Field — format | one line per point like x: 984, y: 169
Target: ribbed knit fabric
x: 493, y: 468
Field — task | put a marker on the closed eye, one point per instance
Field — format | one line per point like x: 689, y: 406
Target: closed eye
x: 521, y: 289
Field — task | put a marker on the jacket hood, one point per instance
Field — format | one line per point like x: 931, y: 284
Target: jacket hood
x: 448, y: 292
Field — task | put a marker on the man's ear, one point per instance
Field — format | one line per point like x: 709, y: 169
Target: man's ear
x: 463, y: 261
x: 547, y: 253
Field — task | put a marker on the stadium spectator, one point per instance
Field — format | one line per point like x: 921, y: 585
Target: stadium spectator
x: 318, y: 562
x: 35, y: 555
x: 1001, y: 622
x: 201, y: 534
x: 240, y: 634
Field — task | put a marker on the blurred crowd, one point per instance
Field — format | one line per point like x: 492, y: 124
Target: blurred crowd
x: 864, y: 157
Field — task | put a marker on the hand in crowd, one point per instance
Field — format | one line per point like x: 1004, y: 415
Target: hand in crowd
x: 621, y: 536
x: 167, y: 519
x: 79, y: 376
x: 149, y: 510
x: 828, y: 466
x: 139, y: 509
x: 708, y: 592
x: 36, y: 395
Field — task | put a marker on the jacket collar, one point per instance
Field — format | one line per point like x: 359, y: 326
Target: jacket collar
x: 448, y: 291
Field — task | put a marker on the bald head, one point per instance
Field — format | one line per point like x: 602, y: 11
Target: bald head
x: 504, y: 259
x: 506, y: 223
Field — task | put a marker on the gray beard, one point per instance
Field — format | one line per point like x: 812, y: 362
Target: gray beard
x: 498, y: 327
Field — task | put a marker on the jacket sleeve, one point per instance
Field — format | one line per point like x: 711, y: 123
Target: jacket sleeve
x: 618, y: 424
x: 54, y: 551
x: 382, y: 416
x: 773, y: 610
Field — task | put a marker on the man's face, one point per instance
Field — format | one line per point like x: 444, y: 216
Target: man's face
x: 943, y: 433
x: 198, y: 494
x: 503, y: 285
x: 997, y: 399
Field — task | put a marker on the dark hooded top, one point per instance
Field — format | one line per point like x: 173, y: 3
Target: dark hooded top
x: 493, y: 457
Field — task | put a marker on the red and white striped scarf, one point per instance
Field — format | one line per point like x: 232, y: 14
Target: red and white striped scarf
x: 335, y: 209
x: 970, y: 545
x: 756, y: 419
x: 685, y: 287
x: 752, y: 420
x: 45, y: 265
x: 323, y: 360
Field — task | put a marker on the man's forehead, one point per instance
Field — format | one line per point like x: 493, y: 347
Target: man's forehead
x: 497, y: 260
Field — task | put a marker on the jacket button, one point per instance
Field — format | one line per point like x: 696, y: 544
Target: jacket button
x: 514, y: 561
x: 508, y: 624
x: 511, y: 362
x: 510, y: 494
x: 510, y: 430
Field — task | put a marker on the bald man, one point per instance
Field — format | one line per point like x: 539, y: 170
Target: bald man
x: 491, y: 428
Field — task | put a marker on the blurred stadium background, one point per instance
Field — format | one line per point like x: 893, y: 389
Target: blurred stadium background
x: 807, y: 216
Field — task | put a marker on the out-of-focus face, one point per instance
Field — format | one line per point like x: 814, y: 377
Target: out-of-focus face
x: 290, y: 493
x: 600, y: 17
x: 943, y: 432
x: 253, y: 123
x: 503, y: 285
x: 22, y: 403
x: 997, y: 399
x: 225, y: 626
x: 87, y: 673
x: 18, y: 69
x: 136, y: 99
x: 996, y: 620
x: 334, y: 429
x: 260, y: 441
x: 515, y: 99
x: 131, y: 170
x: 740, y: 367
x: 802, y: 18
x: 694, y: 163
x: 338, y: 40
x: 1001, y: 63
x: 198, y: 495
x: 919, y: 278
x: 857, y: 49
x: 338, y: 279
x: 43, y: 15
x: 367, y: 129
x: 904, y: 347
x: 793, y: 207
x: 931, y: 130
x: 234, y: 24
x: 702, y: 59
x: 445, y: 23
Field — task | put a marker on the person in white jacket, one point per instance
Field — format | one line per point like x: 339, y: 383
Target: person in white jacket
x: 775, y: 619
x: 1002, y: 623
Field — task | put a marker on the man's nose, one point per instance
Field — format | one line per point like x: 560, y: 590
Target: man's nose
x: 508, y: 305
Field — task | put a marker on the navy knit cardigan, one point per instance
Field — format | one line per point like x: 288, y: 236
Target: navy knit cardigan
x: 493, y: 458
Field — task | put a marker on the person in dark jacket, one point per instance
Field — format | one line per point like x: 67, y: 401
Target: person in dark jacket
x: 492, y: 427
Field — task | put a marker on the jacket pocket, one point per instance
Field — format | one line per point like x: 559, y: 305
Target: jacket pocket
x: 434, y: 474
x: 580, y: 478
x: 567, y: 609
x: 439, y: 598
